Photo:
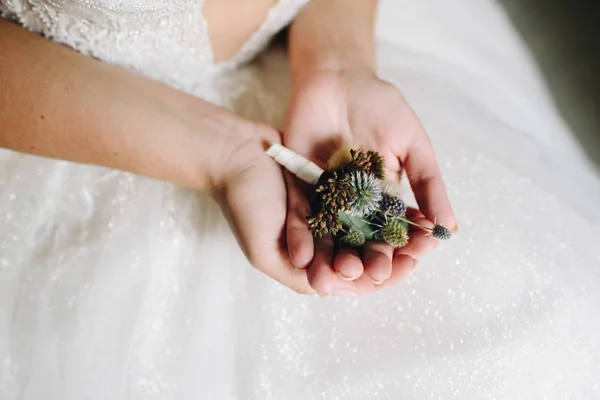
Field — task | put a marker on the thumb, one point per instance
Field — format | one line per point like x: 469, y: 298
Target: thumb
x: 298, y: 236
x: 258, y: 229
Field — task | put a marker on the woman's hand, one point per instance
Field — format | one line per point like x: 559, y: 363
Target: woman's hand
x: 250, y: 189
x: 61, y: 104
x: 331, y: 107
x: 338, y: 99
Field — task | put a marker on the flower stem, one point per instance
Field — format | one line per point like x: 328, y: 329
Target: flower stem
x: 304, y: 169
x: 413, y: 223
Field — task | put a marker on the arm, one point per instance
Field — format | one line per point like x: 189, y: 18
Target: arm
x: 332, y: 34
x: 338, y: 98
x: 57, y: 103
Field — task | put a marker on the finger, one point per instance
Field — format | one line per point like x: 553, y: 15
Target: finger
x: 279, y: 268
x: 321, y: 274
x: 378, y: 261
x: 427, y: 184
x: 269, y: 256
x: 402, y: 266
x: 348, y: 264
x: 420, y: 242
x: 259, y: 232
x: 298, y: 237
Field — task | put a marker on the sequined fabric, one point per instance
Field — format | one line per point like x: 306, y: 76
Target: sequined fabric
x: 115, y: 286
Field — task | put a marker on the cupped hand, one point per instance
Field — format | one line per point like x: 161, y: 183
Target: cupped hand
x: 331, y: 108
x: 251, y: 192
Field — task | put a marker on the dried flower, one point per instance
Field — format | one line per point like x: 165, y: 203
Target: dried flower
x: 336, y: 194
x: 441, y: 232
x: 377, y: 164
x: 367, y: 191
x: 324, y: 223
x: 370, y: 162
x: 395, y: 232
x: 354, y: 237
x: 340, y: 158
x: 392, y: 205
x: 333, y: 195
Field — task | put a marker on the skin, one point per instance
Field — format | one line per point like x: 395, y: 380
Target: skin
x: 338, y: 98
x: 60, y: 104
x: 232, y: 22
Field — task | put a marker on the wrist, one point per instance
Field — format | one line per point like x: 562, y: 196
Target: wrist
x: 332, y: 59
x: 333, y: 36
x: 234, y: 150
x: 192, y: 142
x: 198, y: 144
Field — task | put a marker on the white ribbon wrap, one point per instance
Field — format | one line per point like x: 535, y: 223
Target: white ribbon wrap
x: 304, y: 169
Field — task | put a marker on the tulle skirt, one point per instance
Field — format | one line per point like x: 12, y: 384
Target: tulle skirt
x: 118, y: 286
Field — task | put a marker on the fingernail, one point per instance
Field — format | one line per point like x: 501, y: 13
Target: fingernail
x: 376, y: 282
x: 344, y: 294
x: 346, y: 278
x: 324, y: 295
x: 455, y: 229
x: 298, y: 262
x: 416, y: 263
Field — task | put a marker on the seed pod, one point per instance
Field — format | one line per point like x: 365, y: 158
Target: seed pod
x: 441, y: 232
x: 394, y: 232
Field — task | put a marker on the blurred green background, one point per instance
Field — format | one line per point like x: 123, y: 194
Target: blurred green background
x: 564, y: 37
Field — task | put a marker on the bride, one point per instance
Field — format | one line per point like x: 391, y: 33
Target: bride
x: 135, y: 159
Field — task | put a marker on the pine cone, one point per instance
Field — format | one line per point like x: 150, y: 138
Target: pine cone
x: 392, y: 205
x: 441, y: 232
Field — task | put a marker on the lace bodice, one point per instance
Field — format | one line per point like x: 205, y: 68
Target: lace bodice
x: 166, y: 40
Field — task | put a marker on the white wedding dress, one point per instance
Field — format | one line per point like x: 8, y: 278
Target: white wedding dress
x: 115, y: 286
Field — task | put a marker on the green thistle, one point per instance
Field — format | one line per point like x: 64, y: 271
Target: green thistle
x: 355, y: 237
x: 395, y: 232
x: 367, y: 193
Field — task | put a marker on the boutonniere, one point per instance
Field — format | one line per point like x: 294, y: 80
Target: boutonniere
x: 350, y: 200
